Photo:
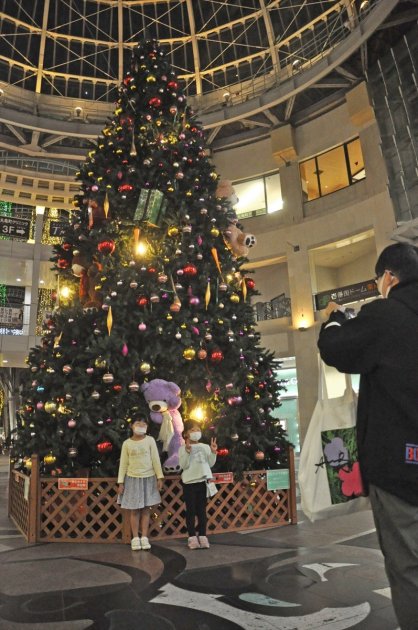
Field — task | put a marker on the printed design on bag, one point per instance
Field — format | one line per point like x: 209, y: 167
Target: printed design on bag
x: 411, y: 453
x: 340, y: 455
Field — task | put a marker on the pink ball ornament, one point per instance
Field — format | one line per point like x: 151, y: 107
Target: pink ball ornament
x: 71, y: 423
x: 125, y: 350
x: 39, y: 405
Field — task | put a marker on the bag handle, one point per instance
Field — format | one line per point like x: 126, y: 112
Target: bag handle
x: 322, y: 382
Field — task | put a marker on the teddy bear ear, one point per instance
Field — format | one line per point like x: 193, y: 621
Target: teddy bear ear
x: 174, y: 388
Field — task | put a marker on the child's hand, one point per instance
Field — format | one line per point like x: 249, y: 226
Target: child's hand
x: 160, y: 484
x: 187, y: 445
x: 121, y: 488
x: 213, y: 445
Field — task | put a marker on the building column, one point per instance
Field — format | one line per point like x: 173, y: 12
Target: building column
x: 285, y: 154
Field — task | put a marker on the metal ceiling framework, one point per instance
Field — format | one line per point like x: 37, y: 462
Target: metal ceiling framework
x: 245, y: 64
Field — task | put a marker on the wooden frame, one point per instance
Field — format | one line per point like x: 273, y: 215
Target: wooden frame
x: 43, y: 513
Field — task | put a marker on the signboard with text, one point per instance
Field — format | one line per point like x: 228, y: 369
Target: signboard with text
x: 226, y: 477
x: 57, y: 228
x: 278, y: 479
x: 344, y: 295
x: 11, y: 317
x: 14, y: 228
x: 76, y: 483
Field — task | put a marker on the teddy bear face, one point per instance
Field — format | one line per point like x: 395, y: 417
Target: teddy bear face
x: 161, y: 395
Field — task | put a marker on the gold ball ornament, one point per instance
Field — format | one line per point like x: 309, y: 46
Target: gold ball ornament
x: 214, y: 232
x: 250, y: 378
x: 50, y: 459
x: 50, y: 406
x: 145, y: 367
x: 100, y: 363
x: 189, y: 354
x: 234, y: 297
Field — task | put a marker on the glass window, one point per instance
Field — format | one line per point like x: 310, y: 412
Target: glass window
x: 274, y: 193
x: 251, y: 198
x: 309, y: 179
x: 355, y: 160
x: 332, y: 171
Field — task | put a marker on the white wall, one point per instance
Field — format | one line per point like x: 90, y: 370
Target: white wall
x: 326, y: 278
x: 270, y: 281
x: 356, y: 271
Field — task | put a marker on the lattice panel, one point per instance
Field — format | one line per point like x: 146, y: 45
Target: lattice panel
x: 237, y: 506
x: 18, y: 506
x: 81, y: 516
x: 94, y: 516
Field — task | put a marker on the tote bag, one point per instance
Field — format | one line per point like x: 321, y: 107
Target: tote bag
x: 329, y: 474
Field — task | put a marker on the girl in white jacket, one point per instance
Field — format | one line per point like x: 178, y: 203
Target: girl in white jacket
x: 196, y: 460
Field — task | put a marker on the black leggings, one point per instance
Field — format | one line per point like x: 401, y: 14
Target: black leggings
x: 194, y: 495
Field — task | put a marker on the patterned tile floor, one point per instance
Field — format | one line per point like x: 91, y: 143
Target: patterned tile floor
x: 326, y: 575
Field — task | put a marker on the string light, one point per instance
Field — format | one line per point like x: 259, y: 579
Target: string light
x: 198, y: 414
x: 46, y: 303
x: 141, y: 248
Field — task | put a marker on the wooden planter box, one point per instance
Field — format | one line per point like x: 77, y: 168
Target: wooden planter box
x: 44, y: 513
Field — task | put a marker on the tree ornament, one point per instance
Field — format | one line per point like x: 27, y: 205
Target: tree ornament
x: 133, y: 387
x: 108, y: 378
x: 117, y: 388
x: 155, y: 102
x: 176, y: 305
x: 142, y: 300
x: 234, y: 400
x: 39, y: 405
x: 50, y: 406
x: 50, y: 459
x: 189, y: 354
x: 142, y: 326
x: 162, y: 278
x: 72, y: 452
x: 133, y: 284
x: 150, y: 79
x: 95, y: 395
x: 214, y: 232
x: 202, y: 354
x: 259, y: 455
x: 100, y: 363
x: 216, y: 356
x: 250, y: 283
x: 104, y: 447
x: 106, y: 246
x: 235, y: 437
x: 71, y: 424
x: 222, y: 452
x: 63, y: 263
x: 234, y: 298
x: 109, y: 320
x: 190, y: 270
x: 145, y: 367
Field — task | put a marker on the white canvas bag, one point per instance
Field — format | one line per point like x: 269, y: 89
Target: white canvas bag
x: 319, y: 495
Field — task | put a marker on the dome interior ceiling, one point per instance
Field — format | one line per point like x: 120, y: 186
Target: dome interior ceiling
x: 60, y: 57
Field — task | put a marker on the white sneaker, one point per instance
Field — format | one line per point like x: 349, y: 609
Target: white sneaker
x: 145, y: 544
x: 135, y: 544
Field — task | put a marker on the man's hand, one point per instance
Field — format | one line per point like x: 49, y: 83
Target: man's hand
x: 330, y: 308
x: 213, y: 446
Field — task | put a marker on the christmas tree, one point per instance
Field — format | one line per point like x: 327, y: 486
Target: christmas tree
x: 149, y: 286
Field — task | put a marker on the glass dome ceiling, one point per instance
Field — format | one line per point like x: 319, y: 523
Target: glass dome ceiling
x: 245, y: 64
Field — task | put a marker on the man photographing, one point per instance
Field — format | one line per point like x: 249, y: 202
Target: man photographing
x: 381, y: 344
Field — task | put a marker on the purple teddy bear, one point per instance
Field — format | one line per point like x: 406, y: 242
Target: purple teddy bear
x: 163, y: 398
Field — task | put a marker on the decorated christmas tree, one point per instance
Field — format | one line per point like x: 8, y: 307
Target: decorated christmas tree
x: 150, y: 286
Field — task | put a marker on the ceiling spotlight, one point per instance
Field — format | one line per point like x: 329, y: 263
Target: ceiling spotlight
x: 18, y: 279
x: 41, y: 281
x: 297, y: 64
x: 364, y: 5
x: 78, y: 111
x: 1, y: 92
x: 5, y: 361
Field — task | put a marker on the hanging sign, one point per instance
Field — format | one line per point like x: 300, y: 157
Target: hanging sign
x: 349, y: 293
x: 76, y: 483
x: 278, y: 479
x: 57, y: 228
x: 11, y: 317
x: 226, y: 477
x: 14, y: 228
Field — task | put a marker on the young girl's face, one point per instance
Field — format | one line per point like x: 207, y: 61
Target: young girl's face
x: 139, y: 427
x: 194, y: 433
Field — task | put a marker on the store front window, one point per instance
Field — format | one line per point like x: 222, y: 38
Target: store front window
x: 288, y: 412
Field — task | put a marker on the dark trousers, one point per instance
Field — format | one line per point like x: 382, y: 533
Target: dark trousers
x: 194, y: 495
x: 397, y: 529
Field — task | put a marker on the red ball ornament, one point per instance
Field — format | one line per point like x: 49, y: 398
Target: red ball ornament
x: 66, y: 247
x: 155, y: 101
x: 106, y: 247
x: 117, y: 388
x: 142, y: 300
x: 63, y: 263
x: 259, y: 456
x: 190, y: 270
x: 173, y: 85
x: 222, y: 452
x: 202, y: 354
x: 216, y: 356
x: 250, y: 283
x: 105, y: 447
x: 125, y: 188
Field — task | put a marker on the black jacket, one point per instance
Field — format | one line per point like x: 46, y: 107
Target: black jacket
x: 381, y: 344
